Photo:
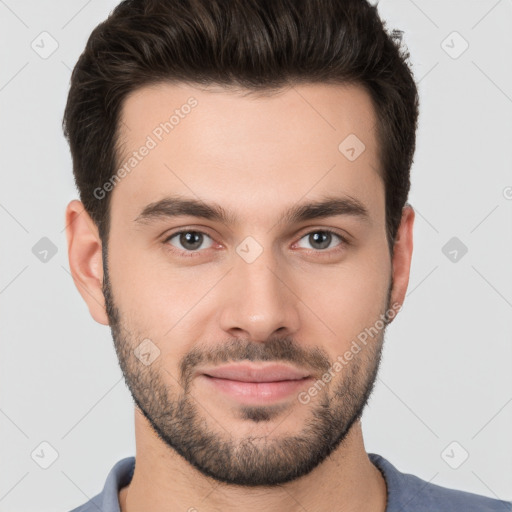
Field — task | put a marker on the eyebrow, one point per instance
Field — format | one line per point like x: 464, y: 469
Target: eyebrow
x: 176, y: 206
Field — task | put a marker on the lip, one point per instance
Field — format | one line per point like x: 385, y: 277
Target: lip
x: 256, y: 384
x: 256, y: 373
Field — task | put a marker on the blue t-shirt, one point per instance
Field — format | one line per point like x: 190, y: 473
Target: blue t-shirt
x: 406, y: 492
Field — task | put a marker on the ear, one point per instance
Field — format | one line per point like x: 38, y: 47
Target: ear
x: 402, y: 256
x: 85, y: 259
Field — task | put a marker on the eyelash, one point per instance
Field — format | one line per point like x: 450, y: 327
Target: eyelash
x: 188, y: 254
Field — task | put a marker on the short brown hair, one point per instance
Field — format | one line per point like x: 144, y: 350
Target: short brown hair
x: 259, y: 45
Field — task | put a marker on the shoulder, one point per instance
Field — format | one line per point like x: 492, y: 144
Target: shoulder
x: 407, y: 492
x: 107, y: 500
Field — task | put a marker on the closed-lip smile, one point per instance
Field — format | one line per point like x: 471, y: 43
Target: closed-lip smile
x: 255, y: 384
x: 256, y: 373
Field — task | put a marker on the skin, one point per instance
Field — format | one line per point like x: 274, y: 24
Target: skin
x: 256, y: 156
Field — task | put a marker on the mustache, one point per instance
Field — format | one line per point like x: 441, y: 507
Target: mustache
x: 237, y: 350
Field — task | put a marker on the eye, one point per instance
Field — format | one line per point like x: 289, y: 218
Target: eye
x: 188, y: 240
x: 322, y: 239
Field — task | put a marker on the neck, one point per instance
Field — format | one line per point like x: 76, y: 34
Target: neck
x: 163, y: 482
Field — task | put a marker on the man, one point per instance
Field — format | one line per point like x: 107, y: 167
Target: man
x: 243, y: 170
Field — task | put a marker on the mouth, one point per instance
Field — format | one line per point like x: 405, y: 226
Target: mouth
x: 256, y: 384
x: 254, y: 373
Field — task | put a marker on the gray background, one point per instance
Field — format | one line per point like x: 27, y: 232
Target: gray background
x: 445, y: 376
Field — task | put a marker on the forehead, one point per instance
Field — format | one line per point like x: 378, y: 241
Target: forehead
x: 254, y: 153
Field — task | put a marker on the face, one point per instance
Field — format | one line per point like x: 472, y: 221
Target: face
x: 216, y: 259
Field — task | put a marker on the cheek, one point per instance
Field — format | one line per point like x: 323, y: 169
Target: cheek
x: 350, y: 297
x: 166, y: 302
x: 156, y: 299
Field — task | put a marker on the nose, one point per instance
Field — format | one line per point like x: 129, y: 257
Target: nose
x: 259, y: 300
